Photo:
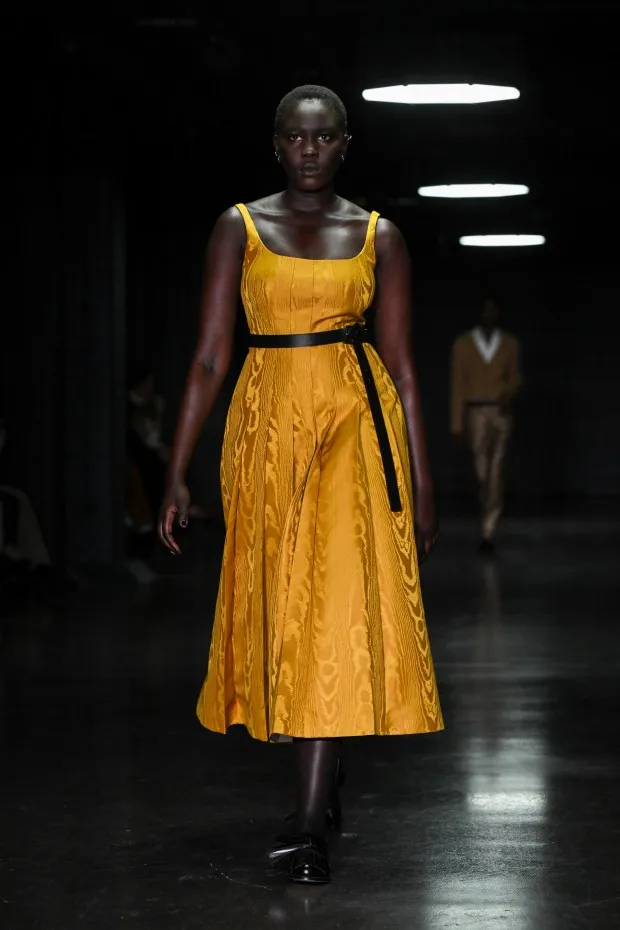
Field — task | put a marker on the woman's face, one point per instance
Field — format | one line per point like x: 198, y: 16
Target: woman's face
x: 311, y: 145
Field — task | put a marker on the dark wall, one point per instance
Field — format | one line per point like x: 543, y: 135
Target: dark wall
x: 63, y: 332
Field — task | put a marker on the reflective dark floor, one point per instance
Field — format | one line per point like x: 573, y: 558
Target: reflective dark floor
x: 118, y: 810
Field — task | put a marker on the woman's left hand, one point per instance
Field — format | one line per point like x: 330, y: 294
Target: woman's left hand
x: 426, y: 529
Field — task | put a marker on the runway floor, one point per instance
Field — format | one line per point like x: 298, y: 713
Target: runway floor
x: 119, y: 810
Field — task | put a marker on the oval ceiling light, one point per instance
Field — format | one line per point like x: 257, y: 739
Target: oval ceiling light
x: 512, y: 240
x: 473, y: 190
x: 440, y: 93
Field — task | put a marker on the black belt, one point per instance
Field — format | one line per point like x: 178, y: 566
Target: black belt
x: 355, y: 336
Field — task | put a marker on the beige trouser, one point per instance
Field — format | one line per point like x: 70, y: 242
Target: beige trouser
x: 488, y: 432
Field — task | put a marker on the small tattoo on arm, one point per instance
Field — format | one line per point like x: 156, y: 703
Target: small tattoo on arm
x: 208, y: 363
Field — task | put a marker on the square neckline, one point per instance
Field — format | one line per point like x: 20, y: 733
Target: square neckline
x: 301, y: 258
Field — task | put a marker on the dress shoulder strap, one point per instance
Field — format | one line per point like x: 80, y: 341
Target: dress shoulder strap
x: 250, y: 227
x: 369, y: 244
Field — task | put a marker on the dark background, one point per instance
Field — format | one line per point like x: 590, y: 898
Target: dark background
x: 127, y: 136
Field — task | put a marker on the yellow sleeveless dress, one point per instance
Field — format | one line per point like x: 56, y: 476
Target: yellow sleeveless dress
x: 319, y: 627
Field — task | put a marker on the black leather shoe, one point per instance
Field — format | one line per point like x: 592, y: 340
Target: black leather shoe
x: 287, y: 845
x: 309, y: 863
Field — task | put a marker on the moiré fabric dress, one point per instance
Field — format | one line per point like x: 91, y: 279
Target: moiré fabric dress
x: 319, y: 627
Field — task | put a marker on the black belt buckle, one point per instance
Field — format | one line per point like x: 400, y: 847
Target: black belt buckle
x: 354, y: 334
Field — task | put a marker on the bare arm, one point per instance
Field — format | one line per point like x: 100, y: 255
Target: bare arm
x: 394, y: 342
x: 210, y: 362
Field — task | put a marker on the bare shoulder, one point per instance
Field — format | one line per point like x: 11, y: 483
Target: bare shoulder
x: 229, y: 230
x: 271, y: 205
x: 351, y: 211
x: 230, y: 221
x: 389, y: 241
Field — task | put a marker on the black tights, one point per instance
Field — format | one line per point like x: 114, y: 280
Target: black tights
x: 317, y: 761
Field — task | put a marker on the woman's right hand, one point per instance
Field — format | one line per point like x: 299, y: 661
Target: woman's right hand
x: 175, y: 506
